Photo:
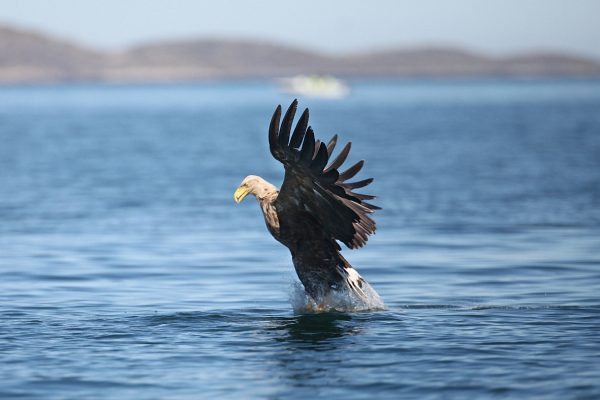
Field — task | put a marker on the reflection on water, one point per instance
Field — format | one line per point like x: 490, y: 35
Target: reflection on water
x: 315, y: 329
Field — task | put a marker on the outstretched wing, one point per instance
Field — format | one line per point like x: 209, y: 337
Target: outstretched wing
x: 312, y: 186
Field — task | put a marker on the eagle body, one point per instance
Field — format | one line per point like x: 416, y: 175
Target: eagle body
x: 317, y: 261
x: 314, y: 209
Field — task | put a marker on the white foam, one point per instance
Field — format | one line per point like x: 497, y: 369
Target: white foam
x: 336, y: 301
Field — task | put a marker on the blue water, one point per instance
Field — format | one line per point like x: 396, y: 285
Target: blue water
x: 126, y: 270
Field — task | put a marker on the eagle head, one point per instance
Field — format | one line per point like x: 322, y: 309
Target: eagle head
x: 254, y: 185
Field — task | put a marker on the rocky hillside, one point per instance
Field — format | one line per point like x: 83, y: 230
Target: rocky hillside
x: 32, y: 57
x: 28, y: 57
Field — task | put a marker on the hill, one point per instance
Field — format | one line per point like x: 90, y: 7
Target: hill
x: 33, y: 57
x: 29, y: 57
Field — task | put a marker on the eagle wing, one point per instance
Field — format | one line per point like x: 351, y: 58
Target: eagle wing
x: 311, y: 185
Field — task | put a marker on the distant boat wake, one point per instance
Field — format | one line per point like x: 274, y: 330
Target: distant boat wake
x: 325, y: 87
x: 335, y: 301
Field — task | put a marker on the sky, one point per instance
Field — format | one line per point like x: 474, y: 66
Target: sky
x: 494, y: 27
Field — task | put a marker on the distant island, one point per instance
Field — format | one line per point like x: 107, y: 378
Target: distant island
x: 30, y: 57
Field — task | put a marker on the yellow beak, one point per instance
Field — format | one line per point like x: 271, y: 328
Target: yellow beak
x: 240, y: 193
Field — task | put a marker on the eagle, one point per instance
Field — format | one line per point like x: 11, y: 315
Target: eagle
x: 315, y: 209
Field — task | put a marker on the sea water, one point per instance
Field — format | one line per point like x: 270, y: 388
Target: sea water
x: 127, y: 271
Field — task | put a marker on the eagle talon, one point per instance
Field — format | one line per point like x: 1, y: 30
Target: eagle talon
x: 313, y: 307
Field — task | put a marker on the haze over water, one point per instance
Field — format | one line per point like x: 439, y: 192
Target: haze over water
x: 127, y: 271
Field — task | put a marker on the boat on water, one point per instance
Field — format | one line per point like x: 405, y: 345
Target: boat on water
x: 315, y: 86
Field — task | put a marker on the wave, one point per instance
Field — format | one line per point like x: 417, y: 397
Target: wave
x: 335, y: 301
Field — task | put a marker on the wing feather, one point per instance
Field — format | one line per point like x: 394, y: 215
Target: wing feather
x: 353, y: 170
x: 300, y: 130
x: 358, y: 184
x: 320, y: 160
x: 286, y: 124
x: 317, y: 148
x: 276, y: 150
x: 312, y: 186
x: 331, y: 145
x: 308, y: 146
x: 339, y: 160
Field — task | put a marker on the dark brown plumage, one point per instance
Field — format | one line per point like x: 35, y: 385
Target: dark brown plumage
x: 316, y: 206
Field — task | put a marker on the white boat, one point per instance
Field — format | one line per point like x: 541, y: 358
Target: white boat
x: 315, y: 86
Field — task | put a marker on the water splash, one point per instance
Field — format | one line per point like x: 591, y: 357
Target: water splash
x: 336, y: 301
